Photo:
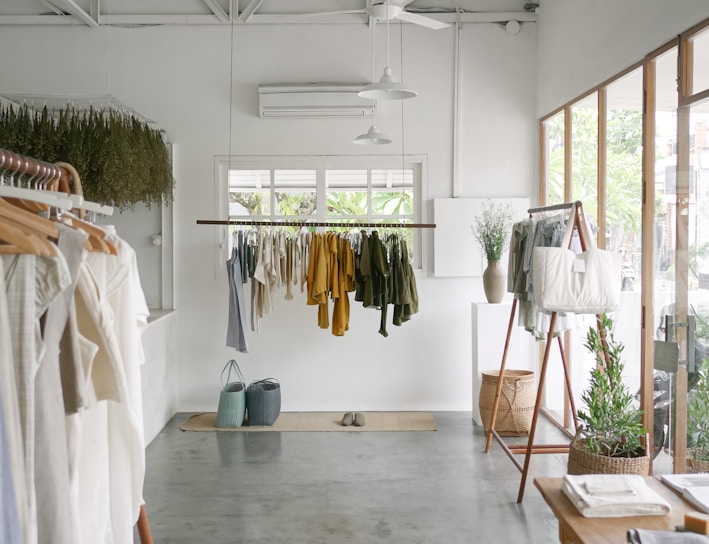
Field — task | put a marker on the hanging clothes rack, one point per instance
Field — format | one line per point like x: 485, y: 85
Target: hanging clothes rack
x: 21, y: 164
x: 58, y: 196
x: 54, y: 178
x: 330, y: 224
x: 531, y: 448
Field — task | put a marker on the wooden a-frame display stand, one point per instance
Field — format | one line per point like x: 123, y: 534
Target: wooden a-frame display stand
x: 532, y: 448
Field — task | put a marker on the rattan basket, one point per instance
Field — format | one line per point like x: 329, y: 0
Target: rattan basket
x: 517, y: 397
x: 582, y: 461
x: 696, y: 460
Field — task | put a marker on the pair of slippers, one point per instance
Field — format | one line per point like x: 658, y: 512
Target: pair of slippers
x: 353, y: 418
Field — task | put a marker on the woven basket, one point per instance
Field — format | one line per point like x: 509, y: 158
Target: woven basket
x: 517, y: 397
x: 582, y: 461
x: 696, y: 460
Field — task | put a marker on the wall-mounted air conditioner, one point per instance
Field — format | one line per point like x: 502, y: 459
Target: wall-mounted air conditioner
x: 313, y: 100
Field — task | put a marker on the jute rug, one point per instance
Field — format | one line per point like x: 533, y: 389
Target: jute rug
x: 323, y: 421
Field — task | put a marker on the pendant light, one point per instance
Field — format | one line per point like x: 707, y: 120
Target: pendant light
x: 372, y: 136
x: 387, y: 88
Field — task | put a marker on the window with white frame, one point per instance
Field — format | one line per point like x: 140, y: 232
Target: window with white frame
x: 364, y: 189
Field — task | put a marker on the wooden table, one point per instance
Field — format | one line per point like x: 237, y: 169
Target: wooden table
x: 576, y: 529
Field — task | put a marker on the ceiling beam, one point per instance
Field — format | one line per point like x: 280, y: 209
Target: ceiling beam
x: 249, y: 10
x: 350, y: 18
x: 155, y: 20
x: 266, y: 19
x: 51, y: 6
x: 73, y: 9
x: 219, y: 13
x: 95, y: 9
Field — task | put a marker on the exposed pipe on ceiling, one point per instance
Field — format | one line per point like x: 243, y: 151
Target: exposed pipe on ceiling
x: 456, y: 108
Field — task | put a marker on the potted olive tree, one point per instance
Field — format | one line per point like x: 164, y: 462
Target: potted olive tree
x: 610, y: 439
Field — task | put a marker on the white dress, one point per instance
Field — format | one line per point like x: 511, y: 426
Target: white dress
x: 13, y: 432
x: 55, y: 522
x: 126, y: 440
x: 32, y: 283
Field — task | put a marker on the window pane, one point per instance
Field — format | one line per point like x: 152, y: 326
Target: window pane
x: 392, y: 192
x: 584, y: 155
x: 623, y: 162
x: 295, y: 193
x: 664, y: 250
x: 249, y: 192
x: 698, y: 296
x: 700, y: 62
x: 554, y: 132
x: 346, y: 192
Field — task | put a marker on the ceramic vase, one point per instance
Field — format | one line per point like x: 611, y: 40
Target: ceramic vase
x: 494, y: 282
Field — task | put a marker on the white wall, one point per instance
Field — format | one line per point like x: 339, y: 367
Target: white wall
x: 179, y: 76
x: 583, y: 43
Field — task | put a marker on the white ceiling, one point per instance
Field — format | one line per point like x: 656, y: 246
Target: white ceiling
x: 95, y: 13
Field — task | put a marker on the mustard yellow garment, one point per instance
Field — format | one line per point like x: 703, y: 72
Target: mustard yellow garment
x: 345, y: 282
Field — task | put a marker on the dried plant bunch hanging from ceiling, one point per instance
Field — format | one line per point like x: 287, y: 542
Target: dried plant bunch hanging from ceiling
x: 121, y: 160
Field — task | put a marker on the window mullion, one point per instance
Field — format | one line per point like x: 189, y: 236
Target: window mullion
x: 369, y: 194
x: 320, y: 193
x: 272, y: 193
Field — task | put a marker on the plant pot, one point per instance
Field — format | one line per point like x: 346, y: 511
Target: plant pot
x: 697, y: 460
x: 517, y: 398
x: 494, y: 282
x: 582, y: 461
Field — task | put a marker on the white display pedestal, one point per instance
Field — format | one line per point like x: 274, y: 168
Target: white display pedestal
x: 490, y: 323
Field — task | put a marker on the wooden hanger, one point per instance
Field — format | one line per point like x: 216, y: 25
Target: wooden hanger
x: 97, y: 236
x: 18, y: 241
x: 29, y: 220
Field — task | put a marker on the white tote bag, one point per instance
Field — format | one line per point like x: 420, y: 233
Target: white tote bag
x: 580, y: 283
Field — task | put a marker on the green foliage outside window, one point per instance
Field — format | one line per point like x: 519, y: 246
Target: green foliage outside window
x: 623, y: 167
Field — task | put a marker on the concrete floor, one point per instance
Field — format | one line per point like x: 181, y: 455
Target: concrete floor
x: 345, y: 488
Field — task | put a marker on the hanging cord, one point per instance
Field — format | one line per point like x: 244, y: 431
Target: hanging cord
x: 231, y: 94
x: 402, y: 79
x: 374, y: 100
x: 231, y: 85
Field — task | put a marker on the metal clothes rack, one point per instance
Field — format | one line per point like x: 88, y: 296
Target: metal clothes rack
x: 21, y: 164
x: 51, y: 181
x: 531, y: 448
x: 276, y: 223
x: 35, y: 168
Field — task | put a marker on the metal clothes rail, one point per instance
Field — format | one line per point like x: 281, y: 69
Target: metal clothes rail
x: 51, y: 183
x: 21, y: 164
x: 329, y: 224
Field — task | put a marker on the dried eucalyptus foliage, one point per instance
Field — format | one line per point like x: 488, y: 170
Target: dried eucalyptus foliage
x: 120, y: 159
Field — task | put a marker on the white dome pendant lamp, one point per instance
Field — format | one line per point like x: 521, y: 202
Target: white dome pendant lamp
x: 387, y: 88
x: 372, y: 136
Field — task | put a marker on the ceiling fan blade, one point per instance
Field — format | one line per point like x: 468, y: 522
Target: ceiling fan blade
x: 421, y: 20
x: 400, y: 3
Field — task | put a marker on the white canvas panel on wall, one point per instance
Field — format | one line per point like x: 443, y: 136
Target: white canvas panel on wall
x: 456, y: 252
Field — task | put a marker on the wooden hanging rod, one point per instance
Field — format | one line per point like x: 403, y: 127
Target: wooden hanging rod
x: 564, y: 206
x: 330, y: 224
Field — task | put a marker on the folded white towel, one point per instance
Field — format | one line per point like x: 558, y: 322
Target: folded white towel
x: 609, y: 486
x: 642, y: 501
